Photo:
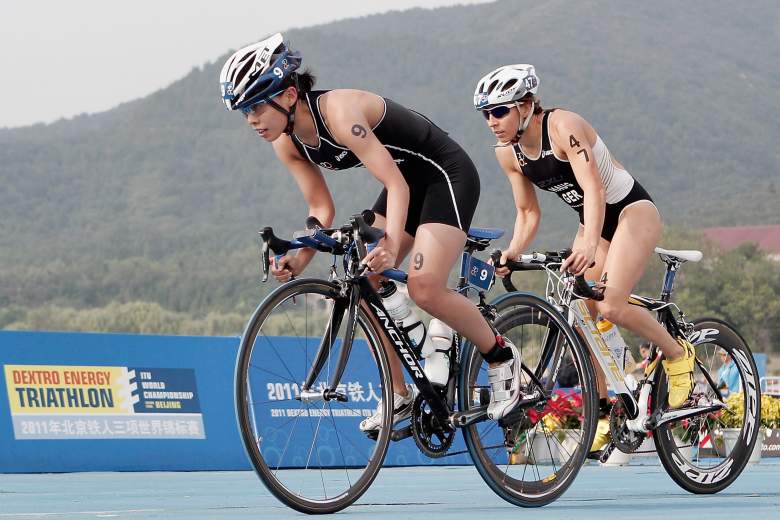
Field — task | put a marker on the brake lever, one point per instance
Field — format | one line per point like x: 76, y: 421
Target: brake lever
x: 265, y: 260
x: 495, y: 256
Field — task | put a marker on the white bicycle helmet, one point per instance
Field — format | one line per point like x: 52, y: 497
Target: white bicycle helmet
x: 508, y: 85
x: 256, y: 73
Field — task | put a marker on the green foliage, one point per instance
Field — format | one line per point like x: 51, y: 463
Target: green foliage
x: 138, y: 317
x: 741, y: 286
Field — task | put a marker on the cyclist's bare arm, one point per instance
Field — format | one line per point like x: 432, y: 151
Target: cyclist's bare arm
x: 526, y: 204
x: 349, y: 121
x: 312, y: 185
x: 573, y: 135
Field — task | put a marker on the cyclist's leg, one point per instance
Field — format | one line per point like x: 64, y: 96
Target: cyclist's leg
x: 594, y: 275
x: 396, y: 369
x: 638, y: 231
x: 436, y: 249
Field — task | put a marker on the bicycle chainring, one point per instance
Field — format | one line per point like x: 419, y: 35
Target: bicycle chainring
x: 433, y: 439
x: 626, y: 440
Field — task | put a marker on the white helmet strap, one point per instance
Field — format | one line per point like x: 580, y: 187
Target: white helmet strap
x: 527, y: 120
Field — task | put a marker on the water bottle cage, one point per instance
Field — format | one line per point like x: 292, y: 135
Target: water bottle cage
x: 408, y: 328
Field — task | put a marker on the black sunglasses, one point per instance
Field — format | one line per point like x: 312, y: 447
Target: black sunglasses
x: 497, y: 112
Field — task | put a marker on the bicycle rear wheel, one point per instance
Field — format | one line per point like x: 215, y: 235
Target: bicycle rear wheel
x: 706, y: 454
x: 531, y: 459
x: 310, y: 453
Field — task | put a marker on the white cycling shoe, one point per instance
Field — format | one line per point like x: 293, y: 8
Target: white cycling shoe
x: 504, y: 382
x: 402, y: 409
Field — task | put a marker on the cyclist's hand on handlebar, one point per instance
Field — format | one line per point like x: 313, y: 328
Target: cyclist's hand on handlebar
x: 508, y: 254
x: 381, y: 258
x: 286, y: 268
x: 580, y: 260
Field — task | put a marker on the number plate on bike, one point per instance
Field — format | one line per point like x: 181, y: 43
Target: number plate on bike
x: 480, y: 274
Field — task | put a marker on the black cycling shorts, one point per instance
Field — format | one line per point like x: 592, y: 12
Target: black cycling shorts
x: 613, y: 211
x: 443, y: 190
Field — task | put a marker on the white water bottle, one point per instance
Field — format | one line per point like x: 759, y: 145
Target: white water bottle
x: 613, y: 339
x: 436, y: 352
x: 397, y: 307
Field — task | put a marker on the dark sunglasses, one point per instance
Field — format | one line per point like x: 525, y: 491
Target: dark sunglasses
x: 497, y: 112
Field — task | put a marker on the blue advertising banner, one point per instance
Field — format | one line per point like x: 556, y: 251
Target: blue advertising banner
x: 124, y: 402
x: 117, y: 402
x: 127, y: 402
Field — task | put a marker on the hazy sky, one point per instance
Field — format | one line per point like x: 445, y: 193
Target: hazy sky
x: 62, y: 58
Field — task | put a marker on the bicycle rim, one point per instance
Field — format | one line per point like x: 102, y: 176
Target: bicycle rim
x: 707, y: 453
x: 535, y: 460
x: 310, y: 455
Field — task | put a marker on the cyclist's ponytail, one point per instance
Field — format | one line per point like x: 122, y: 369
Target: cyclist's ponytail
x: 306, y: 81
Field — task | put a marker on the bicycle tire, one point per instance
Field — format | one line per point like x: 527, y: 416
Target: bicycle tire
x: 518, y: 309
x: 252, y: 429
x: 686, y: 472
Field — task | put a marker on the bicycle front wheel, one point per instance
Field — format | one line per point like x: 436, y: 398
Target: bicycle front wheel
x: 531, y: 459
x: 310, y: 452
x: 707, y: 453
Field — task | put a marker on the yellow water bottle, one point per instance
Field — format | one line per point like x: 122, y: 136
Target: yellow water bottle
x: 611, y: 335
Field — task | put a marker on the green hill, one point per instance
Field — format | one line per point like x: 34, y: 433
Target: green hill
x: 160, y: 198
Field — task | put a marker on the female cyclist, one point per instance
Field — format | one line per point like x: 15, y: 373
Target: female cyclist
x: 431, y: 189
x: 558, y: 151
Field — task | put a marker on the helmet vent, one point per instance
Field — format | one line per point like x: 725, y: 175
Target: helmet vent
x: 245, y: 68
x: 509, y: 84
x: 259, y: 87
x: 492, y: 86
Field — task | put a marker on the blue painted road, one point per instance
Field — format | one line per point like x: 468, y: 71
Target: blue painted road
x: 457, y: 493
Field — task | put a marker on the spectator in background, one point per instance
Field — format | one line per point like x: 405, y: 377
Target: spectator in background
x: 644, y: 354
x: 728, y: 375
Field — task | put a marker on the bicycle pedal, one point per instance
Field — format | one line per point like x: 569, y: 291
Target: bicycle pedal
x: 401, y: 433
x: 606, y: 452
x: 594, y: 455
x: 372, y: 434
x: 518, y: 412
x: 528, y: 399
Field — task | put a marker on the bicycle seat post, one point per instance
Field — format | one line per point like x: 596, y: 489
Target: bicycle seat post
x: 671, y: 272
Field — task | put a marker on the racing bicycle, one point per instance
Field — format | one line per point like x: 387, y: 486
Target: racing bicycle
x: 313, y: 362
x: 705, y: 444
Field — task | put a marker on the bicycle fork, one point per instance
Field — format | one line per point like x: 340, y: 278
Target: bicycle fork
x: 341, y: 305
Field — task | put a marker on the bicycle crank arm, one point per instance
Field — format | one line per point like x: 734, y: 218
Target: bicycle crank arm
x: 606, y: 452
x: 479, y: 414
x: 401, y: 433
x: 463, y: 419
x: 395, y: 435
x: 686, y: 413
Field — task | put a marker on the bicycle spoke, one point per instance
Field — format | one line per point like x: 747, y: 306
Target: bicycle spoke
x: 286, y: 445
x: 338, y: 441
x: 281, y: 360
x: 260, y: 369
